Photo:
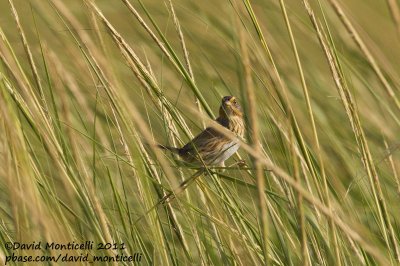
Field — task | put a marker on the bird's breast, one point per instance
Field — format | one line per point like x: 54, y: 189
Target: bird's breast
x: 236, y: 125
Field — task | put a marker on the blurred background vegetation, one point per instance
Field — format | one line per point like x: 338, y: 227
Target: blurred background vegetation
x: 86, y: 86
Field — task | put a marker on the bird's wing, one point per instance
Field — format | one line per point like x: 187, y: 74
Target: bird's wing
x: 203, y: 139
x: 208, y: 146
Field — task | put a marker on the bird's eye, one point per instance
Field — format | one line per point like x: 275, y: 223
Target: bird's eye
x: 234, y: 102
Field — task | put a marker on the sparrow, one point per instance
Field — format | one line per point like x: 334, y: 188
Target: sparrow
x: 211, y: 147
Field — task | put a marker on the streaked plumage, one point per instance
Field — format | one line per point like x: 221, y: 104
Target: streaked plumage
x: 212, y: 146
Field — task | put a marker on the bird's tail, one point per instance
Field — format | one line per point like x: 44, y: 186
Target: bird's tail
x: 168, y: 148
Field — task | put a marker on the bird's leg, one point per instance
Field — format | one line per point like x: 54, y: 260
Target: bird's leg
x: 222, y: 165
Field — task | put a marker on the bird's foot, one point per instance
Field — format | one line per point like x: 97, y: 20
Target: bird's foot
x: 240, y: 163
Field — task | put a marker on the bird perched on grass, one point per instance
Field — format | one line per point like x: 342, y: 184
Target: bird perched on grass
x: 211, y: 147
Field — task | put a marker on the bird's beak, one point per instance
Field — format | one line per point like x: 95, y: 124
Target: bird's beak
x: 228, y: 103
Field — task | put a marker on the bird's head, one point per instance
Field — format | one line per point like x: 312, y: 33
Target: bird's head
x: 230, y: 107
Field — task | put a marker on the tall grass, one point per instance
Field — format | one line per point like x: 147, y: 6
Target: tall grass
x: 88, y: 87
